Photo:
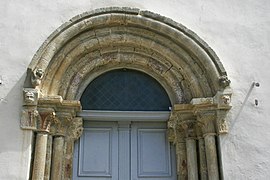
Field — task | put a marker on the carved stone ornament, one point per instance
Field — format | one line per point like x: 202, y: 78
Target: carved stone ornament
x: 224, y: 81
x: 171, y: 128
x: 29, y: 112
x: 60, y: 125
x: 30, y: 97
x: 28, y: 118
x: 223, y: 99
x: 76, y: 128
x: 36, y: 77
x: 45, y: 118
x: 222, y: 125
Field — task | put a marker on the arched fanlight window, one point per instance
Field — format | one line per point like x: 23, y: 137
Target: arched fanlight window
x: 125, y: 90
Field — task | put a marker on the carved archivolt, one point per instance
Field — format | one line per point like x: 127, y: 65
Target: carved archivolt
x: 105, y: 39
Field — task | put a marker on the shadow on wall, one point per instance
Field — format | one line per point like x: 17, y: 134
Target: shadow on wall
x: 15, y: 147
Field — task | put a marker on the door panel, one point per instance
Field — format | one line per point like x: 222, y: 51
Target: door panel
x: 98, y: 152
x: 151, y: 153
x: 96, y: 147
x: 124, y: 151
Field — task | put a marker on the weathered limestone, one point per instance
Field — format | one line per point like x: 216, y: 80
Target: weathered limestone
x: 47, y: 173
x: 46, y: 116
x: 74, y: 131
x: 29, y: 111
x: 209, y: 134
x: 53, y: 120
x: 202, y: 154
x: 85, y: 47
x: 40, y: 157
x: 198, y: 123
x: 57, y: 157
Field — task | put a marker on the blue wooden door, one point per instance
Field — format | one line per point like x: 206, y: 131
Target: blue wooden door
x: 124, y: 151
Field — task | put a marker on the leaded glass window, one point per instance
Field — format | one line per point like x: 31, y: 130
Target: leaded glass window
x: 125, y: 90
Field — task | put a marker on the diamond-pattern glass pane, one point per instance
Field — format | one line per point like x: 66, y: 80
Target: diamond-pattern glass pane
x: 125, y: 90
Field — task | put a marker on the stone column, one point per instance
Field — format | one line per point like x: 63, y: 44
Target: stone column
x: 181, y: 155
x: 176, y: 135
x: 202, y: 154
x: 211, y: 156
x: 209, y: 133
x: 191, y: 148
x: 74, y: 131
x: 57, y: 157
x: 60, y: 127
x: 46, y: 116
x: 48, y: 158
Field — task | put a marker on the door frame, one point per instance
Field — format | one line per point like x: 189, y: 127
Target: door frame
x: 97, y: 115
x: 124, y: 120
x: 105, y: 39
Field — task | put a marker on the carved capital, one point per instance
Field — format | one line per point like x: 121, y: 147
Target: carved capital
x: 189, y: 128
x: 207, y: 120
x: 76, y: 128
x: 62, y: 122
x: 46, y: 117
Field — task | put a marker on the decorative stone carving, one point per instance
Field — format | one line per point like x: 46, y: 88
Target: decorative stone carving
x: 171, y: 124
x: 28, y: 118
x: 226, y: 99
x: 76, y: 128
x: 207, y: 120
x: 224, y: 81
x: 222, y: 125
x: 30, y: 97
x: 61, y: 123
x: 223, y: 99
x: 36, y: 77
x: 68, y: 77
x: 29, y: 112
x: 189, y: 128
x: 45, y: 118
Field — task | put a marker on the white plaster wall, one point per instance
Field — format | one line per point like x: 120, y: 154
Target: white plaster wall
x: 238, y: 31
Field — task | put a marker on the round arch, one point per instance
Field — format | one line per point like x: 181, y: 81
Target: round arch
x: 105, y: 39
x: 102, y: 40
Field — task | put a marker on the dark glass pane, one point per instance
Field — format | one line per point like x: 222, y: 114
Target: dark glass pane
x: 125, y: 90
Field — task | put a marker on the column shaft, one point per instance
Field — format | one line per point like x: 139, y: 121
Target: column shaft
x: 181, y: 160
x: 40, y: 156
x: 57, y: 157
x: 48, y: 158
x: 211, y: 157
x: 203, y: 165
x: 68, y: 163
x: 192, y: 159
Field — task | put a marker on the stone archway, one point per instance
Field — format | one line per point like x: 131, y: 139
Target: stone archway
x: 105, y: 39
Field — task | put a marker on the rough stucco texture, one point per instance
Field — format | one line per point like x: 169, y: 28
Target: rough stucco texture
x: 238, y: 31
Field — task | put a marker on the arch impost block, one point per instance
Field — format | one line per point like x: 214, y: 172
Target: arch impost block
x: 60, y: 105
